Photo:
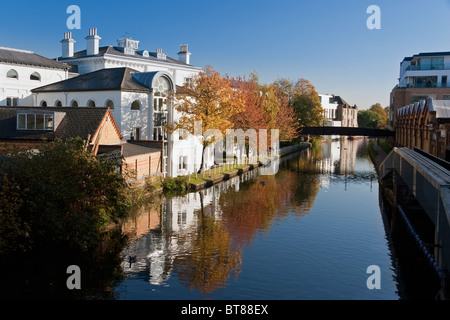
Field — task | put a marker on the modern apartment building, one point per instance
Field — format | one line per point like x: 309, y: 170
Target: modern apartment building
x: 422, y: 76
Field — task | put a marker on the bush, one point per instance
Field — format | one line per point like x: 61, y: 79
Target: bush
x: 59, y: 197
x: 177, y: 184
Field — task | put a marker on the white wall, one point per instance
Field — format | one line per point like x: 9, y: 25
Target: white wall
x: 21, y: 87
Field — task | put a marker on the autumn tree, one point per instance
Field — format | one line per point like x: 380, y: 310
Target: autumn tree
x: 304, y: 99
x: 209, y: 99
x: 264, y: 108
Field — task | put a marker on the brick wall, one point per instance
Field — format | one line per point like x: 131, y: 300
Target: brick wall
x: 142, y: 165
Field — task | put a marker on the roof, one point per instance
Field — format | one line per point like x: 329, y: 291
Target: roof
x: 427, y: 54
x: 442, y: 107
x: 119, y: 51
x: 23, y: 57
x: 343, y: 102
x: 133, y: 149
x: 120, y: 79
x: 77, y: 122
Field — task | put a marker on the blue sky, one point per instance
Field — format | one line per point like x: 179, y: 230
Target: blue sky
x: 324, y: 41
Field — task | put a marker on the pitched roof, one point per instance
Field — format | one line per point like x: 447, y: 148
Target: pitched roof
x: 118, y: 51
x: 101, y: 80
x: 23, y: 57
x: 77, y: 122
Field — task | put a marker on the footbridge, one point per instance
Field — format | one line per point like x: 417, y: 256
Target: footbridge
x: 429, y: 182
x: 347, y: 131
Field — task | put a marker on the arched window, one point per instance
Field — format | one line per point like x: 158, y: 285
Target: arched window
x: 35, y: 76
x: 43, y: 103
x: 74, y: 103
x: 109, y: 104
x: 161, y: 87
x: 136, y: 105
x: 91, y: 104
x: 12, y: 74
x: 58, y: 103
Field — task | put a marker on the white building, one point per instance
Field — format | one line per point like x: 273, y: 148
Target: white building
x: 330, y: 106
x: 134, y: 84
x: 425, y: 70
x: 21, y: 71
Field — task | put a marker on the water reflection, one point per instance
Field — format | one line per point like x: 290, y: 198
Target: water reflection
x: 198, y: 241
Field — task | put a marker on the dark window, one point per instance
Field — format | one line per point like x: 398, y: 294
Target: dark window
x: 11, y: 102
x: 12, y: 74
x: 35, y: 76
x: 136, y: 105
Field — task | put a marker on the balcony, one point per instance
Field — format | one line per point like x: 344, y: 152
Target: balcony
x: 428, y: 67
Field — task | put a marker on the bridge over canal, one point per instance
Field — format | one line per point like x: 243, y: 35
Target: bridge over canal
x: 347, y: 131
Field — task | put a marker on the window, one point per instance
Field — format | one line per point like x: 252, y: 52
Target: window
x: 187, y: 81
x: 74, y: 103
x: 136, y: 134
x: 21, y: 121
x: 444, y: 81
x: 43, y: 103
x: 91, y: 104
x: 182, y: 163
x: 34, y: 121
x: 11, y: 102
x: 12, y: 74
x: 35, y: 76
x: 136, y: 105
x: 110, y: 104
x: 58, y: 103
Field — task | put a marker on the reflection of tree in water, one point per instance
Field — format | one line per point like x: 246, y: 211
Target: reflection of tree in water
x: 214, y: 246
x: 211, y: 259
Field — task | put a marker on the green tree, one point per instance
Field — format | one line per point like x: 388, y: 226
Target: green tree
x: 304, y: 99
x: 368, y: 119
x: 60, y: 196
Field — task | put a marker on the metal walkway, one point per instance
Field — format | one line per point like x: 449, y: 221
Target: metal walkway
x: 430, y: 184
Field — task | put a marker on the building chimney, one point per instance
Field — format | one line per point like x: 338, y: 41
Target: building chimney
x: 160, y: 54
x: 184, y: 54
x: 92, y: 42
x: 67, y: 45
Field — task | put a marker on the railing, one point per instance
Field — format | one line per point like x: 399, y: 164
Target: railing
x: 428, y: 67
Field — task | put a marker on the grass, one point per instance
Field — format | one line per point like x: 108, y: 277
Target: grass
x: 384, y: 145
x: 213, y: 174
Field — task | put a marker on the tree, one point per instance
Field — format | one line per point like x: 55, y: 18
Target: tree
x: 368, y: 118
x: 383, y: 113
x: 209, y: 98
x: 304, y: 99
x: 375, y: 117
x: 264, y: 108
x: 59, y: 196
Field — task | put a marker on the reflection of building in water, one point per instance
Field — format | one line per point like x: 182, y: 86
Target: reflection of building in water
x: 338, y: 157
x: 165, y: 233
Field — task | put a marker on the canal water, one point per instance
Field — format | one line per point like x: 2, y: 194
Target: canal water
x: 309, y: 232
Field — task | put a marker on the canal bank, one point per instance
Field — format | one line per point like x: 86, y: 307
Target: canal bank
x: 225, y: 172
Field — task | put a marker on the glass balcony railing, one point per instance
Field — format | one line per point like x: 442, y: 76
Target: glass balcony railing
x: 428, y: 67
x: 424, y: 85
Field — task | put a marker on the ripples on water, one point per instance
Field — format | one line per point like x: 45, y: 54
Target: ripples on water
x: 310, y: 232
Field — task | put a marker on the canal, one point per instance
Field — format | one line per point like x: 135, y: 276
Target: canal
x: 309, y: 232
